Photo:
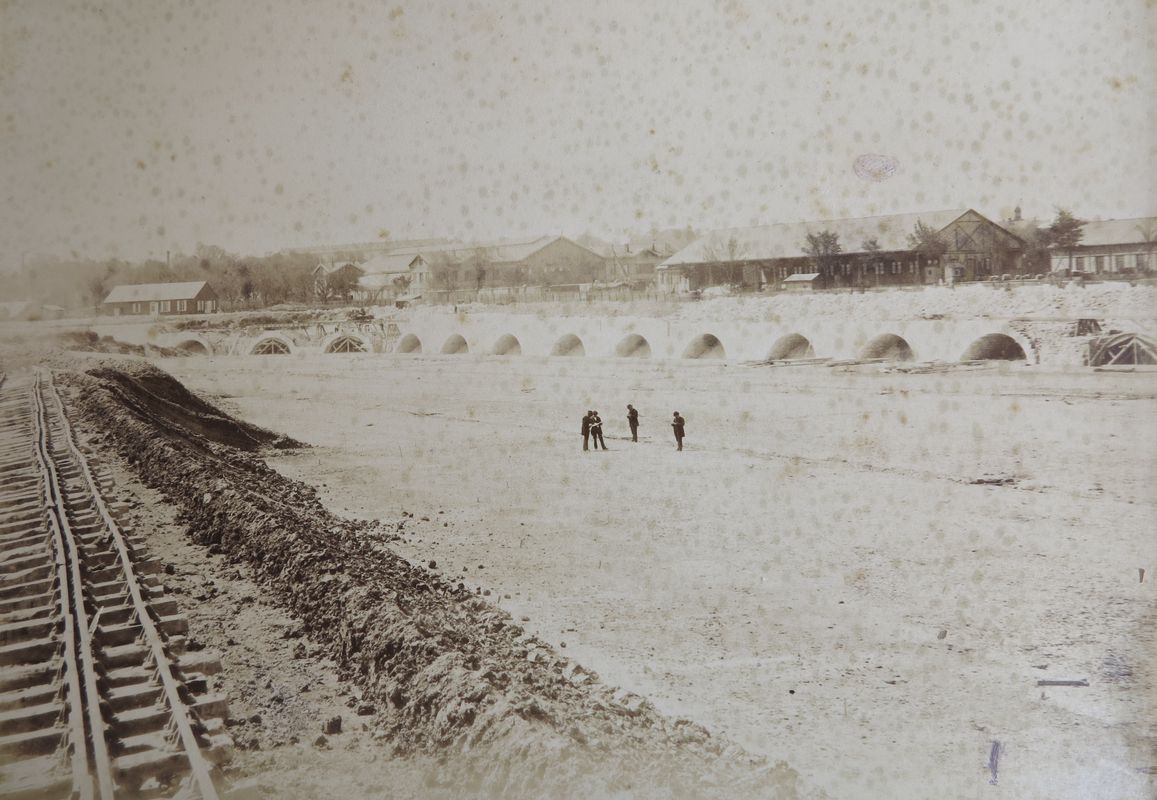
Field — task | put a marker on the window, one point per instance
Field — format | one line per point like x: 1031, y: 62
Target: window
x: 136, y: 308
x: 182, y: 305
x: 1118, y: 263
x: 1079, y: 263
x: 1100, y: 263
x: 1142, y: 262
x: 165, y: 306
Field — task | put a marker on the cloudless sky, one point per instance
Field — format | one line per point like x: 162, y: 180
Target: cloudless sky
x: 131, y: 128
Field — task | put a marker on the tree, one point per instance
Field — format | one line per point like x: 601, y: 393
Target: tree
x: 1148, y: 231
x: 870, y: 255
x: 1065, y: 233
x: 927, y: 241
x: 822, y: 248
x: 444, y: 270
x: 342, y: 282
x: 720, y: 252
x: 1035, y: 252
x: 401, y: 283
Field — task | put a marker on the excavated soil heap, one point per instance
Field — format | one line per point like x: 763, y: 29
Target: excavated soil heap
x: 452, y: 675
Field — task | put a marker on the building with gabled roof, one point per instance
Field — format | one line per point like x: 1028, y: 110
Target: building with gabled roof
x: 874, y: 251
x: 1112, y: 246
x: 540, y: 261
x: 189, y: 297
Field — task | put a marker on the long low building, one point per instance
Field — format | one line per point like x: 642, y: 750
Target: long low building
x: 957, y: 245
x: 190, y: 297
x: 1121, y: 246
x: 457, y: 273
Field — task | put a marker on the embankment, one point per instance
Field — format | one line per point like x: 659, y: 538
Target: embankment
x: 451, y: 675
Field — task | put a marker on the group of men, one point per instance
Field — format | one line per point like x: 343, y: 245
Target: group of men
x: 593, y: 428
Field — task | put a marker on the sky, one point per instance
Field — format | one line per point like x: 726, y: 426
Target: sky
x: 138, y: 127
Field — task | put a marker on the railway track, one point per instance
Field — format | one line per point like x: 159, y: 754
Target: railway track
x: 99, y: 697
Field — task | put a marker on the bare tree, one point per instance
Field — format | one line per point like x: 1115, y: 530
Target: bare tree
x: 720, y: 252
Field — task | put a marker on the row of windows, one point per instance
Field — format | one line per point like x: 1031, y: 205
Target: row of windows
x: 1119, y: 262
x: 168, y: 306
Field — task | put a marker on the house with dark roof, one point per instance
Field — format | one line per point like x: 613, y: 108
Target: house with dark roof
x: 872, y: 251
x: 1121, y: 246
x: 191, y: 297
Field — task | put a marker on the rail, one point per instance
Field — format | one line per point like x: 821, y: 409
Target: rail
x: 97, y: 697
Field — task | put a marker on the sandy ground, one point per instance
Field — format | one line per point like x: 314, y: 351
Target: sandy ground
x: 816, y: 575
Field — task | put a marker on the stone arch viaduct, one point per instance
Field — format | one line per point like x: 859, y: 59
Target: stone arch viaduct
x: 641, y: 337
x: 508, y: 335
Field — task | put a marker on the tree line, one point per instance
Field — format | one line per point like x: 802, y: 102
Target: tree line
x: 241, y: 282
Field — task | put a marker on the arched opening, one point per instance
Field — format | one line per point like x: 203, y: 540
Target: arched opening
x: 994, y: 347
x: 270, y: 346
x: 569, y: 345
x: 705, y: 346
x: 455, y: 345
x: 633, y: 346
x: 507, y: 345
x: 194, y: 347
x: 791, y: 346
x: 889, y: 347
x: 346, y: 344
x: 410, y: 344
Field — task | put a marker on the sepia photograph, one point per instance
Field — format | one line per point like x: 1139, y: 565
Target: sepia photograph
x: 492, y: 399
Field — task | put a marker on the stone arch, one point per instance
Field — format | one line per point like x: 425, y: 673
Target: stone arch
x: 889, y: 347
x: 791, y: 346
x: 194, y: 347
x: 455, y: 345
x: 706, y: 345
x: 569, y: 345
x: 995, y: 347
x: 633, y: 346
x: 409, y: 344
x: 507, y: 345
x: 271, y: 346
x: 346, y: 343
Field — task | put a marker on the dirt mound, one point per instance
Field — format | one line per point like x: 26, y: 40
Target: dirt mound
x: 91, y: 342
x: 156, y: 397
x: 451, y: 675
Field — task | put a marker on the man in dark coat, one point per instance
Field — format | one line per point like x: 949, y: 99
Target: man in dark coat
x: 633, y: 421
x: 587, y: 430
x: 677, y: 425
x: 597, y: 430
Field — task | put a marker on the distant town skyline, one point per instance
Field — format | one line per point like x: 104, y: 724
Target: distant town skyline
x: 141, y: 128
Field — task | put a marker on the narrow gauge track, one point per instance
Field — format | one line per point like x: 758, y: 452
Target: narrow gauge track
x: 98, y: 696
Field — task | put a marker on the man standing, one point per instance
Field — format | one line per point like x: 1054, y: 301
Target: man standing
x: 677, y: 425
x: 633, y: 421
x: 597, y: 430
x: 587, y: 430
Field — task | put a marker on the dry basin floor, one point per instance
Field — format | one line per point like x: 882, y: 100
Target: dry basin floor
x: 865, y: 574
